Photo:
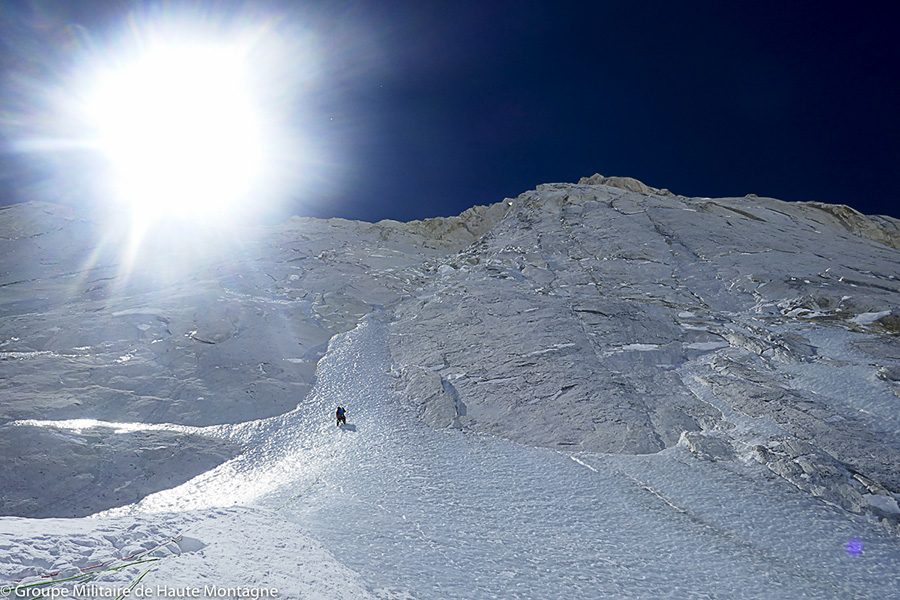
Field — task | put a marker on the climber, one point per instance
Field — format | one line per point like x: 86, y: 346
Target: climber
x: 341, y: 416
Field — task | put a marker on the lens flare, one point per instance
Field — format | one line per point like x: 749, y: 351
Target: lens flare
x: 204, y: 116
x: 181, y: 130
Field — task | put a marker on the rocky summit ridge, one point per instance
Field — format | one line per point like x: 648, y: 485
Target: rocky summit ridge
x: 605, y: 316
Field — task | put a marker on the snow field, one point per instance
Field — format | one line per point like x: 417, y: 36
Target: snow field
x: 442, y: 514
x: 389, y: 508
x: 211, y: 553
x: 848, y: 379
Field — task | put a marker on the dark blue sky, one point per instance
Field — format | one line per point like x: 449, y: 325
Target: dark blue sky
x: 425, y: 108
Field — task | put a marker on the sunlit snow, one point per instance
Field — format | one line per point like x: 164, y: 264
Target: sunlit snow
x: 591, y: 391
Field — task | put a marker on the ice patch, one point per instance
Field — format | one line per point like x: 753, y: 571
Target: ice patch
x: 639, y: 347
x: 153, y: 312
x: 22, y: 355
x: 583, y: 464
x: 81, y: 425
x: 707, y: 345
x: 869, y: 317
x: 885, y: 504
x: 554, y: 348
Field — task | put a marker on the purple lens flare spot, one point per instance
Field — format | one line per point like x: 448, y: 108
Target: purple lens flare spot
x: 854, y: 547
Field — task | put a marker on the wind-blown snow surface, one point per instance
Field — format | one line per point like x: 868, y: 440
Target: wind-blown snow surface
x: 697, y: 399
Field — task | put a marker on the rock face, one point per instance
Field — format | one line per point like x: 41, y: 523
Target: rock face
x: 626, y: 183
x: 604, y: 316
x: 611, y: 318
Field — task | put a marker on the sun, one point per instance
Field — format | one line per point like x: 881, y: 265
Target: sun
x: 180, y: 128
x: 213, y: 116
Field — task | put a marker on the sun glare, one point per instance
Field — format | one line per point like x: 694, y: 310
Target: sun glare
x: 211, y: 116
x: 180, y: 129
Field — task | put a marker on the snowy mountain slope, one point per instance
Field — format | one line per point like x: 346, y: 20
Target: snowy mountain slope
x: 711, y: 387
x: 230, y: 553
x: 422, y: 513
x: 189, y: 328
x: 601, y: 319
